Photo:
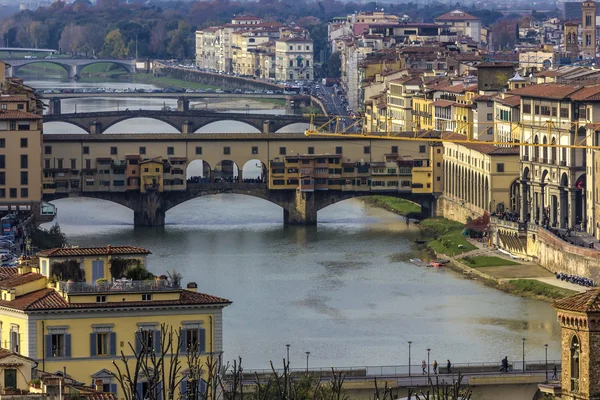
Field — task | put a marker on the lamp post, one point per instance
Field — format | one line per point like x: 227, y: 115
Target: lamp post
x: 307, y: 354
x: 288, y: 353
x: 136, y: 52
x: 409, y: 343
x: 247, y: 109
x: 428, y: 350
x: 546, y: 346
x: 523, y: 354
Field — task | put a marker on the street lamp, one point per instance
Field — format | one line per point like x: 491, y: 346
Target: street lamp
x: 409, y: 343
x: 546, y: 346
x: 247, y: 109
x: 307, y: 354
x: 523, y: 354
x: 288, y: 353
x: 428, y: 350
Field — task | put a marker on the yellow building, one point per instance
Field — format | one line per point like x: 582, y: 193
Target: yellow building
x: 481, y: 177
x: 151, y: 175
x: 15, y: 371
x: 89, y: 316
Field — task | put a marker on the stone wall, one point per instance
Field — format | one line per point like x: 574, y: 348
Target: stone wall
x: 456, y: 211
x: 559, y: 256
x: 219, y: 80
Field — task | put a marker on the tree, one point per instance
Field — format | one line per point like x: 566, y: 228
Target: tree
x: 70, y: 38
x: 158, y: 38
x: 334, y: 66
x: 114, y: 45
x: 39, y: 34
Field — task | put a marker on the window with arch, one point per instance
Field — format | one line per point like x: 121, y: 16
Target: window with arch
x: 545, y: 149
x: 575, y: 349
x: 536, y: 149
x: 553, y: 153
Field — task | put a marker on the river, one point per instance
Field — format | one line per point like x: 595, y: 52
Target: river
x: 344, y: 290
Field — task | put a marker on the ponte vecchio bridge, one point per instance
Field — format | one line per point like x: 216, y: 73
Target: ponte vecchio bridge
x: 147, y: 172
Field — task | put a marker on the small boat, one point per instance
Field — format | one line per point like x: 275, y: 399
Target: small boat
x: 442, y: 261
x: 420, y: 241
x: 416, y: 260
x: 436, y: 264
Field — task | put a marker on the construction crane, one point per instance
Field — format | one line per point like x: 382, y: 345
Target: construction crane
x: 435, y: 136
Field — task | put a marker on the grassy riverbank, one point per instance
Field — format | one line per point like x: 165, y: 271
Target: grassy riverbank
x: 448, y: 238
x: 530, y: 288
x: 487, y: 261
x: 395, y: 205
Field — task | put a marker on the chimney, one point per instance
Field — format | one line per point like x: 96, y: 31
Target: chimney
x: 192, y: 287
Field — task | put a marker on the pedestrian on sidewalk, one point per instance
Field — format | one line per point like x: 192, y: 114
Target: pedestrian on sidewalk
x: 448, y: 366
x: 554, y: 372
x: 435, y: 365
x: 423, y: 366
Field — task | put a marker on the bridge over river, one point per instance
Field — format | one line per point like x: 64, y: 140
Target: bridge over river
x: 109, y: 167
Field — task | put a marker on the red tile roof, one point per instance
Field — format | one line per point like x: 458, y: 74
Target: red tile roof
x: 19, y: 280
x: 547, y: 91
x: 17, y: 114
x: 50, y: 299
x: 482, y: 147
x: 4, y: 353
x: 7, y: 272
x: 588, y: 301
x: 511, y: 101
x: 443, y: 103
x: 92, y: 251
x: 12, y: 98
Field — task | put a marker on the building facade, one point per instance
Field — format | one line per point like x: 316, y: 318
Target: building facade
x: 294, y: 59
x: 81, y: 324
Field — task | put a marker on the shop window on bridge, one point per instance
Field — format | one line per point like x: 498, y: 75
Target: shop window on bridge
x: 306, y: 161
x: 119, y: 183
x: 417, y: 185
x: 292, y: 181
x: 377, y: 183
x: 292, y: 170
x: 334, y: 161
x: 278, y: 182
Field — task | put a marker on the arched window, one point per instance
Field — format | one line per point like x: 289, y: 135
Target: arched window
x: 545, y: 150
x: 554, y: 160
x: 575, y: 364
x: 536, y: 149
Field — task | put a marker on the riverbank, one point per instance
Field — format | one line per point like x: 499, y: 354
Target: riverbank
x: 395, y: 205
x: 476, y: 261
x: 238, y: 104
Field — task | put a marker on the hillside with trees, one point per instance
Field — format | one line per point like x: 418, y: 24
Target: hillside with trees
x: 111, y: 28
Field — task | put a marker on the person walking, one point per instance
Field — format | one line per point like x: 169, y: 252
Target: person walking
x: 435, y: 365
x: 554, y: 372
x: 448, y: 366
x: 424, y: 366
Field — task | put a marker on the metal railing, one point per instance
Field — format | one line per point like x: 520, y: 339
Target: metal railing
x: 117, y: 286
x: 401, y: 370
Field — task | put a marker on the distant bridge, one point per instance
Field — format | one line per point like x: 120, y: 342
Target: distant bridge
x: 73, y: 66
x: 184, y: 121
x: 27, y: 50
x: 169, y: 95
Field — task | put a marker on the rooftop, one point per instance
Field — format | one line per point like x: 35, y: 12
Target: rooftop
x: 482, y: 147
x: 456, y: 15
x: 120, y: 285
x: 93, y: 251
x: 17, y: 114
x: 50, y: 299
x: 588, y: 301
x: 18, y: 280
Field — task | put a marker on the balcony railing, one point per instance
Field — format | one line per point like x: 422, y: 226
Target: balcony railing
x: 122, y: 285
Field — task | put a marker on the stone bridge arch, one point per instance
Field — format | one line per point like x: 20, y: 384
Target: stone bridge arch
x: 256, y: 124
x: 132, y: 115
x: 425, y: 201
x: 68, y: 68
x: 86, y: 129
x: 127, y: 67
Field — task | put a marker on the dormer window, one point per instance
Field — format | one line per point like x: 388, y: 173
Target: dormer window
x: 101, y: 299
x: 147, y: 297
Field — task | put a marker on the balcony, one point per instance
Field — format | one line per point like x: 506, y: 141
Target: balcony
x: 121, y: 285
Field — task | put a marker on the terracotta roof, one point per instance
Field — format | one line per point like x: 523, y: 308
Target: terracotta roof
x: 4, y: 353
x: 456, y: 15
x: 12, y: 98
x: 587, y: 93
x: 17, y: 114
x: 91, y: 251
x: 512, y: 101
x: 50, y: 299
x: 443, y: 103
x: 19, y: 280
x: 484, y: 148
x: 7, y: 272
x: 547, y: 91
x: 588, y: 301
